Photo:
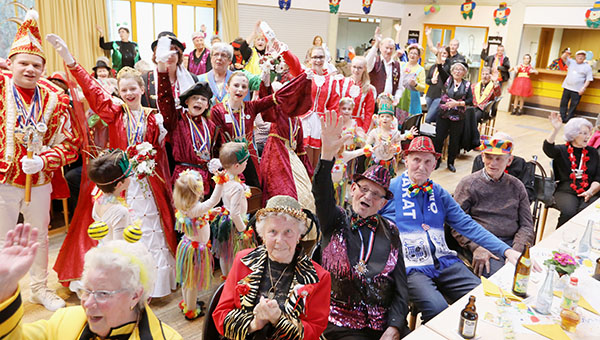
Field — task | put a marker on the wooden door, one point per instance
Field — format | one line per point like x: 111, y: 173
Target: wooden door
x: 543, y: 53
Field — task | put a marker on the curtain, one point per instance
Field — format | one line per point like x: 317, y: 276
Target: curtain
x: 75, y: 22
x: 231, y: 27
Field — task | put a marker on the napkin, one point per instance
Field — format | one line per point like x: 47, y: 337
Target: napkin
x: 491, y: 289
x: 551, y: 331
x: 582, y: 303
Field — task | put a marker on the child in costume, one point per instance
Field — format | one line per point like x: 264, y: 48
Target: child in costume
x: 521, y: 87
x: 385, y: 139
x: 111, y: 172
x: 354, y: 140
x: 194, y: 261
x: 229, y: 227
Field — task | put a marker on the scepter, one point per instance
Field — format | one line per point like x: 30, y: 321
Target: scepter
x: 33, y: 138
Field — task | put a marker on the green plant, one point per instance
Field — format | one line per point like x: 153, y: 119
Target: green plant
x: 563, y: 262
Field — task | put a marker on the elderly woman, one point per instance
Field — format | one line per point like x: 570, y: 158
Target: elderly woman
x: 413, y: 80
x: 456, y: 96
x: 116, y: 280
x: 275, y: 289
x: 576, y: 166
x: 199, y: 58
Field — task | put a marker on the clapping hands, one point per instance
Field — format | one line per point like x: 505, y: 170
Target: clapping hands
x: 17, y: 257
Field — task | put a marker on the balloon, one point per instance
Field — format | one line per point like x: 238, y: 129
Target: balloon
x: 589, y: 55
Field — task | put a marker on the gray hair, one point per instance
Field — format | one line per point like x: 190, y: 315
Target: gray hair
x: 260, y: 222
x: 134, y: 263
x: 573, y: 127
x: 223, y: 47
x: 455, y: 65
x: 387, y: 40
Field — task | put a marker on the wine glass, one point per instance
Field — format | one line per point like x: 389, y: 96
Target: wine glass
x: 568, y: 241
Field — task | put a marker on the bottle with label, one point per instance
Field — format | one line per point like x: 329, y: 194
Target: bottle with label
x: 522, y: 271
x: 597, y: 271
x: 570, y: 296
x: 546, y: 293
x: 468, y: 320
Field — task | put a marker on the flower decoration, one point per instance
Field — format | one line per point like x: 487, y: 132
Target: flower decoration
x: 221, y: 178
x: 302, y: 292
x: 142, y: 157
x: 272, y: 63
x: 564, y: 263
x: 241, y: 289
x: 578, y: 172
x: 368, y: 149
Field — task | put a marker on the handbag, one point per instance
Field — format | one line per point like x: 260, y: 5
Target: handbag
x: 544, y: 186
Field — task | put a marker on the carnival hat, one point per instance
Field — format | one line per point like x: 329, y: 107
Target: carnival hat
x: 496, y: 146
x: 28, y: 39
x: 386, y: 108
x: 170, y: 35
x: 581, y: 52
x: 422, y: 144
x: 462, y: 62
x: 200, y: 88
x: 285, y: 204
x: 379, y: 175
x: 102, y: 62
x: 59, y: 76
x: 198, y: 34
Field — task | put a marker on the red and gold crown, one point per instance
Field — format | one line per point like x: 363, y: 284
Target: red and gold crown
x: 28, y: 39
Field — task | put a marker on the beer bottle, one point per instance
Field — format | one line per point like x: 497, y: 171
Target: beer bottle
x: 468, y: 320
x: 522, y: 270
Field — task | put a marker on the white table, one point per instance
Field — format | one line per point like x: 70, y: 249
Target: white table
x: 446, y: 323
x: 423, y: 333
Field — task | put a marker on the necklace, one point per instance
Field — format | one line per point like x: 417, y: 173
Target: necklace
x: 200, y: 139
x: 32, y: 117
x: 271, y: 292
x: 361, y: 265
x: 135, y: 127
x: 578, y: 172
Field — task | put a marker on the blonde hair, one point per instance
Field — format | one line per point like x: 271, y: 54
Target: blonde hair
x: 346, y: 101
x: 365, y: 80
x: 227, y: 154
x: 188, y: 189
x: 236, y: 74
x: 130, y: 73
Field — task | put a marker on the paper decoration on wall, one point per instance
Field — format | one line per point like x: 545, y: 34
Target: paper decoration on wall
x: 432, y: 9
x: 285, y: 4
x: 501, y: 14
x: 367, y: 6
x: 467, y: 9
x: 592, y: 16
x: 334, y: 6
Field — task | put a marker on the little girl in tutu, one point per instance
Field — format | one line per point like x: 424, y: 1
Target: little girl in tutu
x: 521, y: 86
x: 194, y: 261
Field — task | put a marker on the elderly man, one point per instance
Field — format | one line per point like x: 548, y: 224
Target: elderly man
x: 485, y: 92
x: 453, y: 46
x: 384, y: 71
x: 579, y: 76
x: 125, y: 52
x: 221, y: 55
x: 483, y: 195
x: 30, y: 105
x: 361, y: 250
x: 420, y: 208
x: 498, y: 64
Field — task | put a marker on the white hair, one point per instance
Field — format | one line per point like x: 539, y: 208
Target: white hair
x: 455, y: 65
x: 134, y: 263
x: 386, y: 41
x: 223, y: 47
x: 260, y: 222
x: 573, y: 127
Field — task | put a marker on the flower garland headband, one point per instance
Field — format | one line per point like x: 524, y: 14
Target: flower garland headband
x: 124, y: 165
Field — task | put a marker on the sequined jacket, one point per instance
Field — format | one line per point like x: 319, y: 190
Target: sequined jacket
x: 377, y: 300
x: 59, y: 142
x: 302, y: 318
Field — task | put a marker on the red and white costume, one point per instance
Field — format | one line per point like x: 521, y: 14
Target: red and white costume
x: 364, y: 103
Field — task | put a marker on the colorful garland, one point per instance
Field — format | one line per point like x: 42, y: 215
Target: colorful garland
x: 583, y: 169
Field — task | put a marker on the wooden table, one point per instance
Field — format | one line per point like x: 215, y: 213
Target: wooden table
x: 446, y: 323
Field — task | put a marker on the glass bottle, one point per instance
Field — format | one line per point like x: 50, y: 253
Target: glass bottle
x: 522, y: 271
x: 597, y: 271
x: 570, y: 295
x: 468, y: 320
x: 585, y: 245
x: 546, y: 293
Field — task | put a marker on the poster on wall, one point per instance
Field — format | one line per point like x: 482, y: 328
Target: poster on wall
x: 466, y: 9
x: 414, y: 36
x: 334, y: 6
x: 592, y: 16
x: 285, y: 4
x: 501, y: 14
x: 366, y: 4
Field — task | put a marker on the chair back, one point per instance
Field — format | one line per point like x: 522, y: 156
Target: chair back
x: 209, y: 331
x: 412, y: 121
x: 255, y: 200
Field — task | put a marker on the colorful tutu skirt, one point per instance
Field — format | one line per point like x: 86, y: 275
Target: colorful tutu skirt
x: 226, y: 241
x: 521, y: 86
x: 390, y: 164
x: 194, y: 265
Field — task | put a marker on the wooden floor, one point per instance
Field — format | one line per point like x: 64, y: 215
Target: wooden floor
x: 527, y: 131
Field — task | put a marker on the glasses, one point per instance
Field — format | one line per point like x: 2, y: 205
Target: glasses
x: 220, y: 55
x: 364, y: 190
x: 99, y: 295
x: 318, y: 57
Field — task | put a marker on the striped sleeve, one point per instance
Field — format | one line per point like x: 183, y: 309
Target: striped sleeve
x: 288, y: 328
x: 11, y: 313
x: 237, y: 324
x: 64, y: 141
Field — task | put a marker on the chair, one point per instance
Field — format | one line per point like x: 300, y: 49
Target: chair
x: 209, y: 331
x: 255, y: 200
x: 488, y: 124
x: 544, y: 198
x: 412, y: 121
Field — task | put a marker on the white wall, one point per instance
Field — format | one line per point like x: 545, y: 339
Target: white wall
x: 556, y: 16
x: 378, y: 8
x: 529, y: 44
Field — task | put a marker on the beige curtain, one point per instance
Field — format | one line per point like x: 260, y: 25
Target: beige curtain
x: 75, y: 21
x: 231, y: 27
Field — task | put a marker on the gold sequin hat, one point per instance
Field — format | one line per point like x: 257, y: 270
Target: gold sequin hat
x: 285, y: 204
x: 28, y: 39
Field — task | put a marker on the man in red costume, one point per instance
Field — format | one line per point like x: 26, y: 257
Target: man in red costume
x: 33, y: 111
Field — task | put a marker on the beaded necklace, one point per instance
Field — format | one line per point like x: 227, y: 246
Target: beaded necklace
x: 581, y: 170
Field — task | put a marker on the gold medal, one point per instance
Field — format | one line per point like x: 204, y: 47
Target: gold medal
x: 361, y: 268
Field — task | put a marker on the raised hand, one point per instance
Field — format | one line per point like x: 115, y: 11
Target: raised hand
x: 331, y: 135
x: 378, y: 36
x: 555, y: 120
x: 100, y: 30
x: 61, y: 48
x: 17, y: 257
x: 428, y: 31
